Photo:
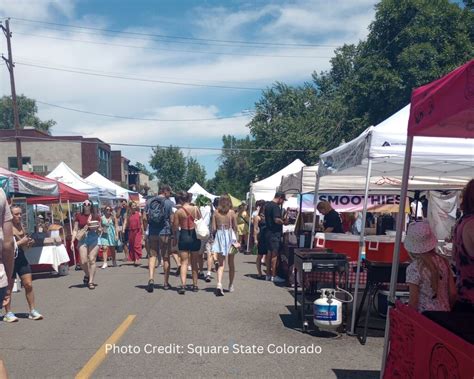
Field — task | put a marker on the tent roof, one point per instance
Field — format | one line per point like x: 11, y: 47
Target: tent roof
x: 64, y: 174
x: 265, y: 189
x: 66, y: 193
x: 448, y: 101
x: 29, y: 186
x: 102, y: 181
x: 385, y: 145
x: 196, y: 189
x: 305, y: 181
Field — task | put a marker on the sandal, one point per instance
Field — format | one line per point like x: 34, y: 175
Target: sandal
x: 181, y: 290
x: 91, y: 286
x: 195, y: 289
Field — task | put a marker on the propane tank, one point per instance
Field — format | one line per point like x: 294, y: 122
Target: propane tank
x: 327, y: 310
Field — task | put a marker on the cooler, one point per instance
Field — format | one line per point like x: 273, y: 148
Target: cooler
x: 347, y: 244
x: 380, y: 249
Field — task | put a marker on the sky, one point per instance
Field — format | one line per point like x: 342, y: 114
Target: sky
x: 170, y: 62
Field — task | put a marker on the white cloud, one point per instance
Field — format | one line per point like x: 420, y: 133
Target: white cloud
x: 331, y: 23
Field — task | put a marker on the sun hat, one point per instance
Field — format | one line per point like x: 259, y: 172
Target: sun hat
x: 420, y: 238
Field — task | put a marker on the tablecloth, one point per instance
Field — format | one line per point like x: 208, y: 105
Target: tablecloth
x: 49, y: 255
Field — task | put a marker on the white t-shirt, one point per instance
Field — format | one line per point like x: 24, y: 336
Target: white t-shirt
x: 5, y: 215
x: 206, y: 214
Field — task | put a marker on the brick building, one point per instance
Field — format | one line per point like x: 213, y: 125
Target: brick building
x: 42, y: 152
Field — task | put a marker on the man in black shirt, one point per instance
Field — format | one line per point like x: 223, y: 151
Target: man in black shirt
x: 332, y: 220
x: 274, y: 224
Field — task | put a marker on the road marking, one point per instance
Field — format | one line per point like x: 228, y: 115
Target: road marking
x: 100, y: 355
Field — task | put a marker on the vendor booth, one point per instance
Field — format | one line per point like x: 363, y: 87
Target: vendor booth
x: 442, y: 342
x: 196, y: 189
x: 380, y: 151
x: 102, y: 182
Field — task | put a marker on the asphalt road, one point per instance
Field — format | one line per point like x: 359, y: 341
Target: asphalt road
x: 253, y: 323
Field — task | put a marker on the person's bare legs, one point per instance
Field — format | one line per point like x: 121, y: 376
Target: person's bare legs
x: 200, y: 262
x: 113, y: 254
x: 274, y: 263
x: 176, y: 258
x: 210, y: 262
x: 3, y: 370
x: 27, y: 282
x: 166, y: 268
x: 231, y: 262
x: 195, y: 258
x: 184, y: 259
x: 258, y: 263
x: 83, y: 255
x: 153, y: 246
x: 104, y: 256
x: 91, y: 262
x: 268, y: 265
x: 220, y: 270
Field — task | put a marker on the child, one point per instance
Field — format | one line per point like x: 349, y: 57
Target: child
x: 428, y: 276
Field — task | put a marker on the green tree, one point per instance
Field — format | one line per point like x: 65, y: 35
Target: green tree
x: 170, y: 166
x: 27, y: 110
x: 195, y: 172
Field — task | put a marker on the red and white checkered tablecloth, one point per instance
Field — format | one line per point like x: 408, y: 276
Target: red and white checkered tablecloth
x: 326, y: 277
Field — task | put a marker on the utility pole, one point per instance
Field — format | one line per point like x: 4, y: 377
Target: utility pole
x: 16, y: 116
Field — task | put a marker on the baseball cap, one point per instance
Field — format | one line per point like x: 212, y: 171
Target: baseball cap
x: 280, y: 195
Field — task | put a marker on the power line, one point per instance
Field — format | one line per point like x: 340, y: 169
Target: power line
x: 175, y: 37
x: 140, y: 79
x: 138, y: 118
x: 175, y: 50
x: 52, y: 139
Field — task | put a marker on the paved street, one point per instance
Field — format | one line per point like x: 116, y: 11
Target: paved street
x: 78, y: 321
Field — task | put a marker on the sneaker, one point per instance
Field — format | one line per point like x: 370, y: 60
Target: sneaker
x: 231, y: 288
x: 219, y: 290
x: 10, y: 317
x: 201, y: 275
x: 268, y: 278
x: 208, y: 278
x: 104, y: 266
x: 181, y: 290
x: 151, y: 285
x: 35, y: 315
x: 277, y: 279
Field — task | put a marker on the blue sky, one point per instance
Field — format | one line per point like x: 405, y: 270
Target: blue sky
x: 133, y: 56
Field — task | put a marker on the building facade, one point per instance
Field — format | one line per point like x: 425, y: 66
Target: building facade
x: 41, y: 152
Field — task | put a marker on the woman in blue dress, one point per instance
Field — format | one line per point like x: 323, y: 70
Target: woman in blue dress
x: 109, y: 236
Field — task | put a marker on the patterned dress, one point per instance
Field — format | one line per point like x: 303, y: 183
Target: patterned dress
x: 107, y: 237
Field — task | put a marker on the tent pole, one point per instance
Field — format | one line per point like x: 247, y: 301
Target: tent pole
x: 70, y: 229
x: 361, y: 246
x: 250, y: 221
x: 315, y: 202
x: 396, y: 251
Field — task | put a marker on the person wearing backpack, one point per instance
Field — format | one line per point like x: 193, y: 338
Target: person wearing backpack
x: 159, y: 214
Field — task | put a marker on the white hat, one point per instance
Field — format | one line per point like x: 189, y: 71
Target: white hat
x: 420, y: 238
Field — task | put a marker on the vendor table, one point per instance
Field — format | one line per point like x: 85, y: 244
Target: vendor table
x: 54, y: 255
x: 378, y: 274
x: 316, y: 260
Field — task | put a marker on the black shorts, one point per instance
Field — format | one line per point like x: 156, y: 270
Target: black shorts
x: 21, y: 266
x: 273, y: 240
x: 188, y: 241
x: 125, y: 236
x: 262, y: 244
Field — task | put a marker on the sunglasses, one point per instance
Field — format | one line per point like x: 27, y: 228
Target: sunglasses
x: 108, y: 209
x: 87, y: 204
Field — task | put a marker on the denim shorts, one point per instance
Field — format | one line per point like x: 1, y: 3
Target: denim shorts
x: 91, y: 239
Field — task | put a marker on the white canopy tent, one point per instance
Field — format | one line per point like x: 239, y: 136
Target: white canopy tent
x: 304, y: 182
x: 64, y: 174
x: 380, y: 151
x: 102, y: 182
x: 196, y: 190
x: 265, y: 189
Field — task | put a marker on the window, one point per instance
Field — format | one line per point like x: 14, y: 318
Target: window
x: 12, y: 163
x: 104, y: 163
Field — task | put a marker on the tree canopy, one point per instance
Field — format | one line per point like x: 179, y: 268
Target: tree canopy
x: 27, y: 110
x: 410, y: 43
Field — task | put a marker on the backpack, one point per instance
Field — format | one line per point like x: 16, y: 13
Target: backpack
x: 156, y: 211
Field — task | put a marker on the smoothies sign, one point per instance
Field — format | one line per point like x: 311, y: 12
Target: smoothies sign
x: 355, y: 203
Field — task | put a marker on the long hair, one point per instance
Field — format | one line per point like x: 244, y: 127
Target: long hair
x: 260, y: 205
x: 225, y: 204
x: 467, y: 201
x: 427, y: 261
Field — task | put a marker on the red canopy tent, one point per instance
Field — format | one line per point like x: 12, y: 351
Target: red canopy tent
x: 66, y: 193
x: 443, y: 108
